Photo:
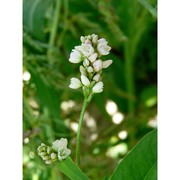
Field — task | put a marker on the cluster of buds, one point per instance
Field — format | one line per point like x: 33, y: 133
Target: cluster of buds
x: 89, y: 53
x: 58, y: 151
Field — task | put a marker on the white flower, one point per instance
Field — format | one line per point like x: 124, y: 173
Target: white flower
x: 75, y: 83
x: 97, y: 65
x: 75, y: 56
x: 107, y: 63
x: 62, y: 143
x: 93, y: 57
x: 85, y: 80
x: 63, y: 153
x: 96, y: 77
x: 87, y: 49
x: 103, y: 49
x: 98, y: 87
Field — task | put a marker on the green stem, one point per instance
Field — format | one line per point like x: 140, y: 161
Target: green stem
x: 85, y: 103
x: 54, y: 27
x: 129, y: 77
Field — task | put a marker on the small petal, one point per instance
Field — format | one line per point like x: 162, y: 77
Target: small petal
x: 97, y: 65
x: 62, y: 143
x: 107, y: 63
x: 78, y: 48
x: 96, y: 77
x: 98, y: 87
x: 85, y: 80
x: 75, y: 56
x: 93, y: 57
x: 49, y: 161
x: 102, y: 40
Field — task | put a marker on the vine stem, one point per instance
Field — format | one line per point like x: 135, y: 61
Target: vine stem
x: 85, y: 103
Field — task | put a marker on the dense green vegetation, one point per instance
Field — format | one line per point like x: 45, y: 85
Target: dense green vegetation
x: 116, y: 119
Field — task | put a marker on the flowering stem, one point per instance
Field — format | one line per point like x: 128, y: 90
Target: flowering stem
x: 85, y: 103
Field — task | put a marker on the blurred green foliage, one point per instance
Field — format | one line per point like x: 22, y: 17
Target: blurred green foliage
x: 51, y: 28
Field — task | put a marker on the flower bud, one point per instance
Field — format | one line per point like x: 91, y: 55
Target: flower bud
x: 96, y: 77
x: 53, y: 156
x: 75, y: 83
x: 48, y: 161
x: 95, y: 39
x: 82, y: 70
x: 82, y: 38
x: 93, y: 57
x: 90, y: 69
x: 98, y: 87
x: 75, y: 56
x: 86, y: 62
x: 107, y: 63
x: 85, y: 80
x: 97, y: 65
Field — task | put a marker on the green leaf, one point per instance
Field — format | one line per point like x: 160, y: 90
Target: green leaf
x: 70, y: 169
x: 149, y: 7
x: 152, y: 173
x: 141, y: 162
x: 33, y: 16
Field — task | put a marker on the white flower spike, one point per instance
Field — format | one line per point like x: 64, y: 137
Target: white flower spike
x: 89, y: 52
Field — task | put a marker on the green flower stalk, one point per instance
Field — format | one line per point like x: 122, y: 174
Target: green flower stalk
x: 89, y: 55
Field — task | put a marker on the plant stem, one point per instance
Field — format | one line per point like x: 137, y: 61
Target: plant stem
x: 85, y: 103
x: 54, y: 27
x: 129, y: 77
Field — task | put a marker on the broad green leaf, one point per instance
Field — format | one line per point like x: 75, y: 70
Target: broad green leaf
x: 152, y: 173
x: 141, y: 162
x: 70, y: 169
